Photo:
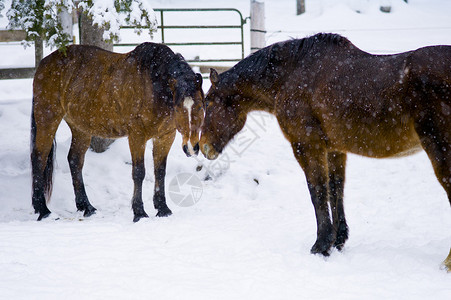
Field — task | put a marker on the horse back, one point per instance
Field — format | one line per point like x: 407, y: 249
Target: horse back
x: 80, y: 67
x: 430, y: 90
x: 431, y: 73
x: 435, y: 59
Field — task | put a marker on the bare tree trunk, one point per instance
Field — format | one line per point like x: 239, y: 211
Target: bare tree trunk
x: 93, y: 35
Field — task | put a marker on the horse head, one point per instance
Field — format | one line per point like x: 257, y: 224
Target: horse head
x: 188, y: 110
x: 224, y: 116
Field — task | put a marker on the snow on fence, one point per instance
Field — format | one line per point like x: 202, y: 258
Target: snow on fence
x: 8, y: 36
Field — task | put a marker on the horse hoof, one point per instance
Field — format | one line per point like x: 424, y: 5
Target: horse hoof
x: 339, y: 246
x: 340, y: 242
x: 164, y: 212
x: 139, y: 217
x: 43, y: 215
x: 89, y: 212
x: 321, y: 248
x: 342, y: 236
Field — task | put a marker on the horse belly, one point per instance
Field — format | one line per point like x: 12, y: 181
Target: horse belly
x: 371, y: 119
x: 379, y: 141
x: 106, y: 112
x: 104, y: 129
x: 103, y: 122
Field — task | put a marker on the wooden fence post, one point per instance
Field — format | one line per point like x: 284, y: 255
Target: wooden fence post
x: 38, y: 51
x: 385, y: 6
x: 257, y: 26
x: 300, y: 7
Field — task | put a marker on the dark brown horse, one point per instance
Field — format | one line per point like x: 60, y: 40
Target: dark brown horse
x: 331, y: 98
x: 147, y: 93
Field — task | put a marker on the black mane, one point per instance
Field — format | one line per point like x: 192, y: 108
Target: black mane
x: 150, y: 56
x: 286, y: 55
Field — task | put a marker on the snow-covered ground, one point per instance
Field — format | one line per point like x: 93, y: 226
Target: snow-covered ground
x: 248, y: 232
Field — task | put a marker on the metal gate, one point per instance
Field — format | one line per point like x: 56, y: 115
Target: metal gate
x: 165, y: 28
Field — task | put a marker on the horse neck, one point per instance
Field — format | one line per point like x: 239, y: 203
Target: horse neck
x: 255, y: 95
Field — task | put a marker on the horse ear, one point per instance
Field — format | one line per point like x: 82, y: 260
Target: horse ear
x: 214, y: 76
x: 198, y: 81
x: 172, y: 83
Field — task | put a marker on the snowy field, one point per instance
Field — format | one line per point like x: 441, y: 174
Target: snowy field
x: 247, y: 232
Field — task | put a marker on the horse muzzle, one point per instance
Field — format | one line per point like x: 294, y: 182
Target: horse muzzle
x: 190, y: 150
x: 209, y: 152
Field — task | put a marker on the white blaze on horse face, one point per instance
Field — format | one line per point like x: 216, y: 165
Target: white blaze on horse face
x: 188, y: 103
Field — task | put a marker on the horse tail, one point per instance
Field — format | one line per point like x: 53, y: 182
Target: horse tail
x: 47, y: 177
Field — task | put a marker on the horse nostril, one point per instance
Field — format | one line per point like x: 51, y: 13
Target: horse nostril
x: 196, y: 148
x: 206, y: 149
x: 185, y: 149
x: 209, y: 152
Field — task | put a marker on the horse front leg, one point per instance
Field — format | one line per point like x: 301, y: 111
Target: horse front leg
x: 137, y: 148
x: 76, y: 157
x: 161, y: 147
x: 336, y: 167
x: 314, y: 163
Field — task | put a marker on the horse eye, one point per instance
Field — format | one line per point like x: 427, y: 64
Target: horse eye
x: 198, y: 107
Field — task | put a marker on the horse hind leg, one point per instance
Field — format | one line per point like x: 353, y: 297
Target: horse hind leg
x: 337, y: 165
x: 435, y: 136
x: 76, y: 157
x: 43, y: 130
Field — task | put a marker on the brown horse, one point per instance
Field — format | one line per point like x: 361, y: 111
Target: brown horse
x: 331, y: 98
x: 147, y: 93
